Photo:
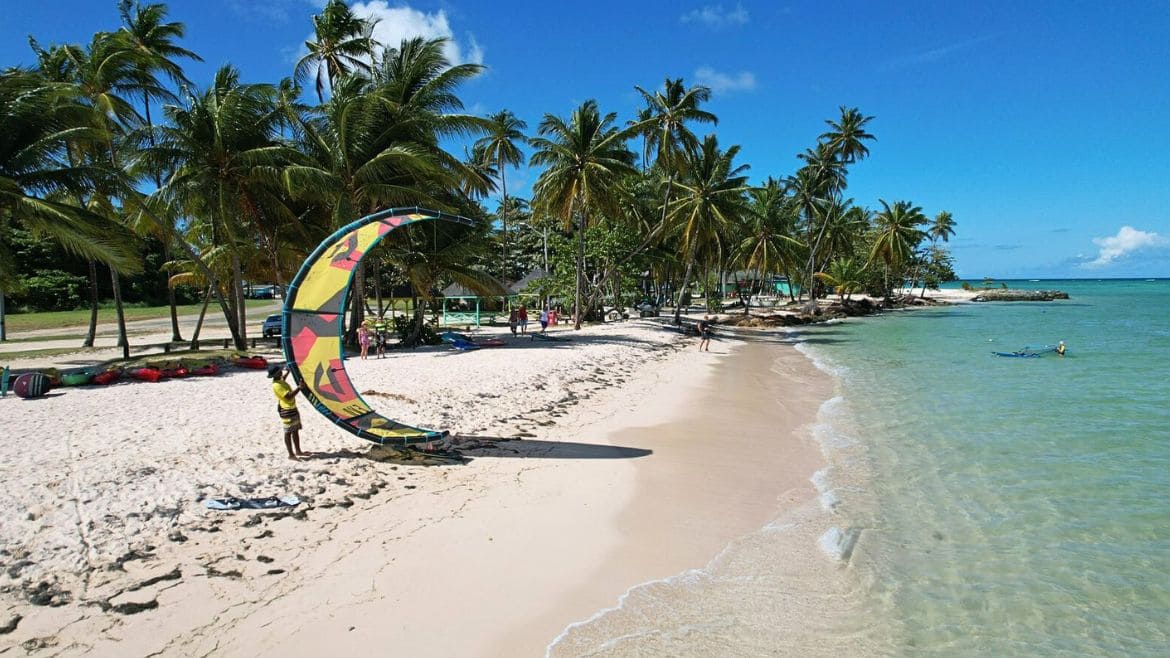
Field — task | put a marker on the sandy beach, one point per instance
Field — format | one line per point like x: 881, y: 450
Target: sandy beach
x: 620, y: 457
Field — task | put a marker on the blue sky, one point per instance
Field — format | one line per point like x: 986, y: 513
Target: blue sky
x: 1041, y: 126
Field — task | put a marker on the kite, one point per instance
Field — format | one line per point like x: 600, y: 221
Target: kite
x: 313, y: 321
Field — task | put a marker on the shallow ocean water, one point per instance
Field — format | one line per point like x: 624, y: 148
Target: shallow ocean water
x: 998, y: 506
x: 1011, y: 506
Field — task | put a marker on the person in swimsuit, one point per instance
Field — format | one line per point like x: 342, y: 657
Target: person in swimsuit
x: 363, y: 335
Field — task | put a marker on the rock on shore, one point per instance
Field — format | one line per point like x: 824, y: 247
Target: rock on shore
x: 1012, y: 295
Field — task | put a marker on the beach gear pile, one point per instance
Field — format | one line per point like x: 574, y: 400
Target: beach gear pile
x: 37, y: 383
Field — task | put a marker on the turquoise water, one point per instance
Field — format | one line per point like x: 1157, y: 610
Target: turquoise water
x: 1008, y: 506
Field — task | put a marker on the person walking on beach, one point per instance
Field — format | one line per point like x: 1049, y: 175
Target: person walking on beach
x: 543, y: 319
x: 704, y: 328
x: 513, y: 321
x: 522, y: 314
x: 286, y: 407
x: 364, y: 340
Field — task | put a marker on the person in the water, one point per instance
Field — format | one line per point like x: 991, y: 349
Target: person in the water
x: 1060, y: 348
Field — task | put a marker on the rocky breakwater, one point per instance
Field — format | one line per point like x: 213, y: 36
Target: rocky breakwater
x: 1012, y: 295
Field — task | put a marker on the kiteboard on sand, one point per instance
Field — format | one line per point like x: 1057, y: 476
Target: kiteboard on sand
x: 271, y: 502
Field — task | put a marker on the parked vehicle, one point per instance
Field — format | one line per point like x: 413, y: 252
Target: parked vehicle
x: 271, y: 326
x: 262, y: 292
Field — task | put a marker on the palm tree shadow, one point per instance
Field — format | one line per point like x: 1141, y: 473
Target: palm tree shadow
x: 493, y: 446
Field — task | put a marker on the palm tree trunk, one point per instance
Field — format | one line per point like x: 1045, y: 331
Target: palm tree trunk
x: 240, y: 330
x: 683, y: 290
x: 190, y: 253
x: 176, y: 335
x: 93, y: 305
x: 504, y: 214
x: 579, y: 312
x: 812, y: 261
x: 199, y: 322
x: 357, y: 305
x: 747, y: 300
x: 123, y: 340
x: 378, y: 286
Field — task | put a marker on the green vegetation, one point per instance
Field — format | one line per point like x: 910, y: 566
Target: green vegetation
x: 114, y: 185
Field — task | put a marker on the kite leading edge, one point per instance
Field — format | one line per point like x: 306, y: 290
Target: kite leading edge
x: 313, y: 320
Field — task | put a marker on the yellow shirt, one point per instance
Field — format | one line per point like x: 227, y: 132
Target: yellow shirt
x: 284, y: 394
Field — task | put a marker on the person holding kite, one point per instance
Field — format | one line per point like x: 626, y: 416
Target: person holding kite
x: 286, y: 406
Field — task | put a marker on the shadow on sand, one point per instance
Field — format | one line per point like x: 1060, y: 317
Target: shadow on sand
x: 466, y: 448
x: 492, y: 446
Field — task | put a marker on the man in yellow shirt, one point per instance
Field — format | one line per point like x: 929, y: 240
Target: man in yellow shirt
x: 286, y: 406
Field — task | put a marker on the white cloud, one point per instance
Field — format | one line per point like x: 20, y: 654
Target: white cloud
x: 724, y: 82
x: 1127, y: 241
x: 716, y: 16
x: 398, y: 23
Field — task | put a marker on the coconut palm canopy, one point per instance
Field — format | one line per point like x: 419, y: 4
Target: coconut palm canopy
x: 112, y: 152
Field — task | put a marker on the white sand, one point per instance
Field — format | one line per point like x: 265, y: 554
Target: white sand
x: 492, y: 557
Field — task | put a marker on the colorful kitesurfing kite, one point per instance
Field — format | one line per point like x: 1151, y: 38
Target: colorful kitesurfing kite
x: 314, y: 318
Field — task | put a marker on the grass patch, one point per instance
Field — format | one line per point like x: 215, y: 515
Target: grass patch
x: 80, y: 318
x: 37, y: 339
x: 53, y: 351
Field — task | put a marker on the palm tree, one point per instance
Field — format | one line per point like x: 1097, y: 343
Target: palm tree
x: 710, y: 205
x: 821, y: 179
x: 221, y: 149
x: 942, y: 228
x: 499, y: 147
x: 667, y: 133
x: 154, y: 40
x: 586, y: 158
x: 768, y: 244
x: 847, y: 136
x: 344, y: 43
x: 842, y: 145
x: 897, y: 238
x: 844, y: 275
x: 376, y: 143
x: 38, y: 186
x: 107, y: 70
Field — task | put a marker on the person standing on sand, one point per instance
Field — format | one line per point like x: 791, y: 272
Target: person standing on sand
x: 704, y: 328
x: 522, y: 314
x: 513, y: 321
x: 286, y: 406
x: 364, y: 341
x: 543, y: 319
x: 381, y: 326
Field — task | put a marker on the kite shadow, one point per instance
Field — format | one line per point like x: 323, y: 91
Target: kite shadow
x: 492, y: 446
x: 395, y: 455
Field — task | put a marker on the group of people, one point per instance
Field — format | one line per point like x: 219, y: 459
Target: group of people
x: 373, y: 333
x: 518, y: 319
